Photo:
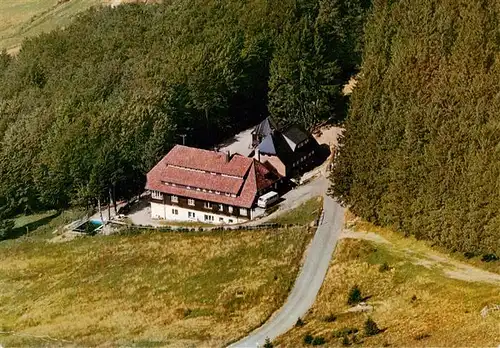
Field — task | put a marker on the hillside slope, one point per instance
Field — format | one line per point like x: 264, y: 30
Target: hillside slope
x: 421, y: 148
x: 20, y: 19
x: 418, y: 296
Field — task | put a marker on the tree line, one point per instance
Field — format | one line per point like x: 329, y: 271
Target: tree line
x: 88, y: 110
x: 421, y: 148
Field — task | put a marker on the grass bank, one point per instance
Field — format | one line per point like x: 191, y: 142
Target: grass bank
x: 201, y: 289
x: 415, y: 301
x: 304, y: 214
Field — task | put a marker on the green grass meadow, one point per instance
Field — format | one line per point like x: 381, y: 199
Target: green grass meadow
x: 20, y: 19
x: 152, y: 288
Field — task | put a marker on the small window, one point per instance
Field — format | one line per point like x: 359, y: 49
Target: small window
x: 175, y: 199
x: 230, y: 221
x: 209, y: 218
x: 221, y: 219
x: 208, y: 205
x: 221, y: 207
x: 230, y: 209
x: 191, y: 215
x: 217, y: 192
x: 227, y: 194
x: 188, y: 187
x: 156, y: 195
x: 243, y: 211
x: 190, y: 202
x: 175, y: 212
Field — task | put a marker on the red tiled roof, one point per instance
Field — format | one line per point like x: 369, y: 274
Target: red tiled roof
x: 254, y: 178
x: 194, y: 179
x: 265, y: 176
x: 210, y: 161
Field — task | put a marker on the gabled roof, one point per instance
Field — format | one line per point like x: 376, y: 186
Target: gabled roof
x: 294, y: 136
x: 272, y: 131
x: 267, y: 145
x: 265, y: 128
x: 206, y: 160
x: 208, y: 176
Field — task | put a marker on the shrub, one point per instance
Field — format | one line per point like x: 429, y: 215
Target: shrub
x: 413, y: 298
x: 490, y: 258
x: 371, y: 327
x: 330, y: 318
x: 299, y: 323
x: 384, y: 267
x: 422, y: 336
x: 354, y: 296
x: 345, y: 341
x: 318, y: 341
x: 469, y: 255
x: 268, y: 343
x: 308, y: 339
x: 345, y: 332
x: 6, y: 227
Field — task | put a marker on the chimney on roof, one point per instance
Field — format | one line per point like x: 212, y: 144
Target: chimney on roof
x: 257, y: 154
x: 228, y: 156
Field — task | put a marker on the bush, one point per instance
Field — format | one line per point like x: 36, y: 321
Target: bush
x: 299, y: 323
x: 354, y: 296
x: 384, y: 267
x: 469, y: 255
x: 345, y: 332
x: 345, y: 341
x: 371, y: 327
x: 268, y: 343
x: 308, y: 339
x: 490, y: 258
x: 413, y: 298
x: 330, y: 318
x: 318, y: 341
x: 6, y: 227
x: 422, y: 336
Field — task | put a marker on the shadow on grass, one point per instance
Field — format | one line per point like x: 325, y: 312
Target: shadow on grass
x: 23, y: 230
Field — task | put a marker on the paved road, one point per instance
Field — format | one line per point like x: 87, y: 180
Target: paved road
x: 293, y: 198
x: 309, y: 281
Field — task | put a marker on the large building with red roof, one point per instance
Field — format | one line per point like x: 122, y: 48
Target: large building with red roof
x: 191, y: 184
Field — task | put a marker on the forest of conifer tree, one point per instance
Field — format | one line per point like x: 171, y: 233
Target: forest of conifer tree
x: 421, y: 149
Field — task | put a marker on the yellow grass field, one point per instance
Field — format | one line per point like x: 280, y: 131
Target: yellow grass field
x: 25, y: 18
x: 415, y: 302
x: 149, y: 289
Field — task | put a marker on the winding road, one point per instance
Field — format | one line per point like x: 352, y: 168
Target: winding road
x: 308, y: 282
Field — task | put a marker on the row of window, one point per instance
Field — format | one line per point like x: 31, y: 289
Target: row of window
x: 302, y: 144
x: 203, y: 190
x: 191, y: 202
x: 208, y: 218
x: 208, y: 205
x: 302, y: 159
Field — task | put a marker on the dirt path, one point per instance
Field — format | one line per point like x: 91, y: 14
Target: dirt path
x: 451, y: 268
